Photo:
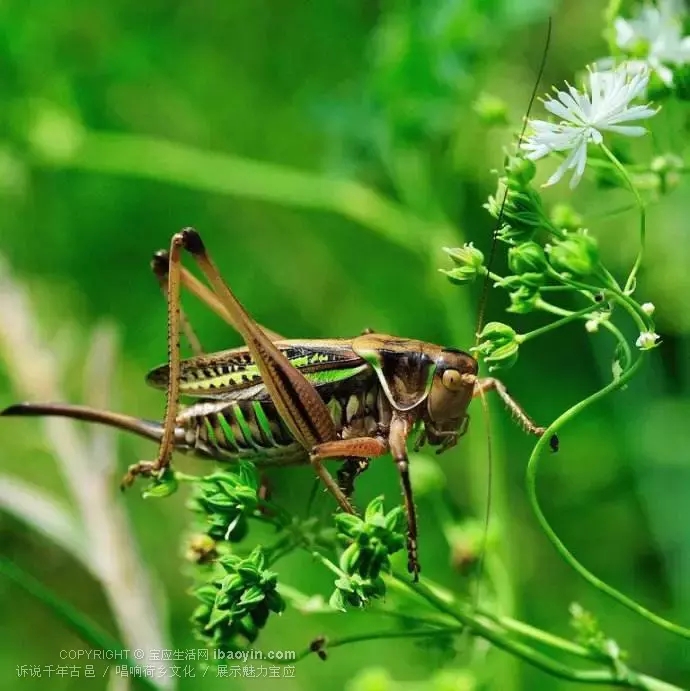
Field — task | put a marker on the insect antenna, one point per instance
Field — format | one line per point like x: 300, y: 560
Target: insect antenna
x: 494, y: 235
x: 480, y: 323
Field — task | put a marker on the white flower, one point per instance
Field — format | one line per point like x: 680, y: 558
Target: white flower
x: 604, y: 107
x: 592, y: 326
x: 647, y: 340
x: 648, y: 308
x: 658, y: 31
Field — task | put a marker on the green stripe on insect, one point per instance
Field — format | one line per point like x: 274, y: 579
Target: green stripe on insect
x: 245, y: 427
x: 227, y: 431
x: 262, y: 421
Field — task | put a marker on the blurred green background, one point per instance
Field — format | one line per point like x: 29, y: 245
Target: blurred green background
x: 326, y: 151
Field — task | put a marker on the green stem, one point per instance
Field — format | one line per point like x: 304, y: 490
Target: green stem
x: 642, y: 320
x: 573, y: 316
x: 554, y: 309
x: 543, y: 637
x: 496, y: 634
x: 377, y: 636
x: 630, y: 282
x: 532, y: 466
x: 327, y: 563
x: 508, y: 623
x: 497, y: 630
x: 86, y: 629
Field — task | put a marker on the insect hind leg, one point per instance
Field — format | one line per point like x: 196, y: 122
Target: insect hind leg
x: 159, y: 265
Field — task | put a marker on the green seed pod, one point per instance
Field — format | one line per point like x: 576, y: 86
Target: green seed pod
x: 469, y: 262
x: 565, y: 217
x: 348, y: 525
x: 467, y: 255
x: 577, y: 255
x: 527, y: 258
x: 503, y: 358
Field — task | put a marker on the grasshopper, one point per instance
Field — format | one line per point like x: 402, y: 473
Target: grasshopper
x: 278, y: 402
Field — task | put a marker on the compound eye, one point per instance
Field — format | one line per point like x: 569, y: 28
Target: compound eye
x: 452, y: 380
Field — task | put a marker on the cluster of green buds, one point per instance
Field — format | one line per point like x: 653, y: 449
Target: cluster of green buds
x: 236, y: 603
x: 370, y: 543
x: 516, y: 203
x: 224, y: 500
x: 528, y: 263
x: 545, y: 252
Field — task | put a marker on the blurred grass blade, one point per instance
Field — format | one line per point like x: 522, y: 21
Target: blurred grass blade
x: 224, y: 173
x: 87, y: 630
x: 45, y: 515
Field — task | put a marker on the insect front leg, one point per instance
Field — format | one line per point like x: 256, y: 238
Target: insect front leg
x: 399, y: 429
x: 493, y: 384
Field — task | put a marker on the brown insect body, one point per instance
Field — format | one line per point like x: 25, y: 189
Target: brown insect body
x: 280, y: 402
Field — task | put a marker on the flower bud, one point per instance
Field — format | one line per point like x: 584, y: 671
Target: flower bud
x: 520, y: 170
x: 577, y: 255
x: 565, y: 217
x: 469, y: 262
x: 523, y: 300
x: 201, y: 549
x: 499, y: 346
x: 647, y: 340
x: 528, y: 257
x: 522, y: 207
x: 498, y: 333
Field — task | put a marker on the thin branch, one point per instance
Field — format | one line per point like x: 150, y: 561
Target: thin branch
x: 377, y: 636
x: 491, y: 630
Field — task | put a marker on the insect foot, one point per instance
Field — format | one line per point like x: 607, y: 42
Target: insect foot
x: 143, y: 468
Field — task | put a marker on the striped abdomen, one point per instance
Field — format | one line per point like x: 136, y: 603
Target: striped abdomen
x: 253, y: 430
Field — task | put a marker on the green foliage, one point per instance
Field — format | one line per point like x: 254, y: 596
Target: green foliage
x: 236, y: 602
x: 328, y: 152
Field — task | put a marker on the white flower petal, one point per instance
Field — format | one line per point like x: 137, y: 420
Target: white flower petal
x: 647, y: 340
x: 658, y: 29
x: 627, y: 130
x: 625, y: 33
x: 580, y: 161
x: 585, y: 115
x: 558, y: 109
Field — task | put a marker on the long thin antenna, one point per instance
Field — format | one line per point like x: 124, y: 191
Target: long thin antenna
x: 480, y: 321
x: 499, y: 221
